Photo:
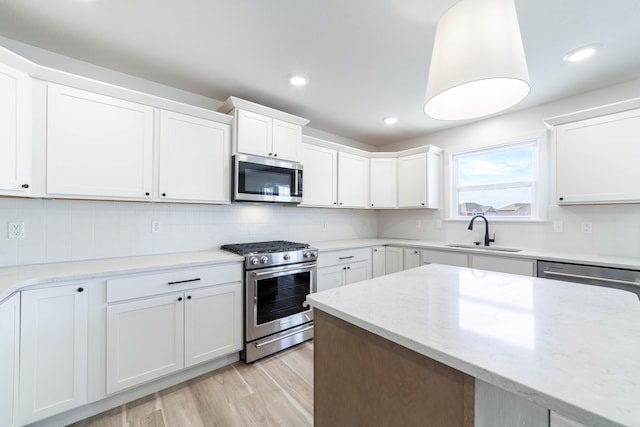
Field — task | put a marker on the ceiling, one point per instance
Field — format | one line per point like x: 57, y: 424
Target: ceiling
x: 365, y: 59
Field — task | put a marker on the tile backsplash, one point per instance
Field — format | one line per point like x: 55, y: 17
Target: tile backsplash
x: 66, y: 230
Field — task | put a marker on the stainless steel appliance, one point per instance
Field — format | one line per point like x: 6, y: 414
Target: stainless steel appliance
x: 627, y: 280
x: 278, y: 277
x: 262, y: 179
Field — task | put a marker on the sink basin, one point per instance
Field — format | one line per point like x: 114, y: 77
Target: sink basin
x: 483, y: 248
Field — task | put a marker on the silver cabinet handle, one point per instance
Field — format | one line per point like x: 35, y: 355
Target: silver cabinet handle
x: 346, y: 257
x: 601, y: 279
x: 290, y: 334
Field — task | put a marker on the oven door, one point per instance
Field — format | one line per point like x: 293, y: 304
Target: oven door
x: 276, y: 299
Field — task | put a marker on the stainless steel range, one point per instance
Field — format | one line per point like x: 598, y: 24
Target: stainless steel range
x: 278, y: 277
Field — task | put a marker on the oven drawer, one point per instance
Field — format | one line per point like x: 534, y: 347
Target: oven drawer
x: 145, y: 285
x: 327, y: 259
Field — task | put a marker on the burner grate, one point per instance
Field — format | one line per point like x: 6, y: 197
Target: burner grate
x: 270, y: 246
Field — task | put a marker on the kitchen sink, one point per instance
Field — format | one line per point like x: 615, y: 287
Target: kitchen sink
x: 483, y: 248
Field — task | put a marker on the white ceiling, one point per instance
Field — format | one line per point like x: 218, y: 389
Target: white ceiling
x: 365, y: 59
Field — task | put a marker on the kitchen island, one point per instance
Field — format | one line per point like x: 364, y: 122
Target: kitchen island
x: 569, y: 348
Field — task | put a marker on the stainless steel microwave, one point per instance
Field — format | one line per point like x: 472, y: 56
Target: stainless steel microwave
x: 262, y: 179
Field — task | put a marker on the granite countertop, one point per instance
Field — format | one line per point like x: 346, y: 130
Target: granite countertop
x: 15, y: 278
x: 548, y: 255
x: 568, y: 347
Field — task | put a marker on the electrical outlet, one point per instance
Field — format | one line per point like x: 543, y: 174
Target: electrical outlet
x: 16, y: 230
x: 586, y: 227
x: 439, y: 224
x: 156, y: 226
x: 558, y: 226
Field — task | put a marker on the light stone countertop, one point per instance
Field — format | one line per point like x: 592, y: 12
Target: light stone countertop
x: 567, y: 347
x: 13, y: 279
x: 548, y: 255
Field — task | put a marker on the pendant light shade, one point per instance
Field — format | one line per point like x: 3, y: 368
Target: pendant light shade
x: 478, y: 65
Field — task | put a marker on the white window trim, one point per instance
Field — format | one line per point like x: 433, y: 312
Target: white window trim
x: 538, y: 184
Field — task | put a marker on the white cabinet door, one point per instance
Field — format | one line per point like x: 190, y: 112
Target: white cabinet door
x: 523, y: 267
x: 15, y: 132
x: 597, y: 160
x: 383, y: 183
x: 330, y: 277
x: 145, y: 340
x: 194, y: 159
x: 319, y: 179
x: 357, y: 272
x: 411, y: 258
x: 430, y: 256
x: 353, y: 181
x: 287, y: 140
x: 394, y: 259
x: 98, y: 146
x: 378, y: 261
x: 213, y: 323
x: 557, y: 420
x: 254, y: 133
x: 53, y: 355
x: 9, y: 353
x: 412, y: 181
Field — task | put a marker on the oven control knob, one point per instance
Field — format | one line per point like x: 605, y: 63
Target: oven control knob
x: 253, y: 261
x: 286, y: 257
x: 264, y: 260
x: 307, y: 255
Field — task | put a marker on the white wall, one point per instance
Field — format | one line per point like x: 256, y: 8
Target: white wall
x: 66, y: 230
x: 616, y: 228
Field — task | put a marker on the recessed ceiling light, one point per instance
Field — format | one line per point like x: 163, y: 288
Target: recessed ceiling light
x: 298, y: 80
x: 581, y: 53
x: 390, y: 120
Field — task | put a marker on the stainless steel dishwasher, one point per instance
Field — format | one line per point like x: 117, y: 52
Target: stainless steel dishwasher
x: 627, y: 280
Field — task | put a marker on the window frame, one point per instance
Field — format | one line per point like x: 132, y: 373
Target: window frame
x: 536, y: 184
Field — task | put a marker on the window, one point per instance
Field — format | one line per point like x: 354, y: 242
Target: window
x: 498, y: 181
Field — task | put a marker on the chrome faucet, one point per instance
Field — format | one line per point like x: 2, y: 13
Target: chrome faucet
x: 487, y: 240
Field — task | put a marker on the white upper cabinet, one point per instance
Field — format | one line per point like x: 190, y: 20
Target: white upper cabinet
x: 597, y: 160
x: 98, y: 146
x: 263, y: 131
x: 15, y: 132
x: 195, y: 159
x: 419, y: 179
x: 264, y: 136
x: 353, y: 181
x: 383, y: 182
x: 320, y: 175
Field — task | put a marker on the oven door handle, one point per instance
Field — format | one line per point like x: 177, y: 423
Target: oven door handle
x: 290, y: 334
x: 270, y: 273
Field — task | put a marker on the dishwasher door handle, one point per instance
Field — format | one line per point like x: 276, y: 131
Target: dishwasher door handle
x: 600, y: 279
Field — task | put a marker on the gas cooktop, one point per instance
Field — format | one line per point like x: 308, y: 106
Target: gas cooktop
x: 264, y: 247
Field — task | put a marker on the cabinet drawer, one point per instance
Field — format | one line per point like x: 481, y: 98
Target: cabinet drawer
x: 140, y: 286
x: 326, y: 259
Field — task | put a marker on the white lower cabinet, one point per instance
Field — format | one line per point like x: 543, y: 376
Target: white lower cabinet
x: 495, y: 407
x: 394, y: 259
x: 411, y: 258
x: 557, y: 420
x: 9, y: 353
x: 523, y: 267
x: 53, y: 354
x: 339, y: 268
x: 430, y: 256
x: 165, y: 332
x: 378, y: 262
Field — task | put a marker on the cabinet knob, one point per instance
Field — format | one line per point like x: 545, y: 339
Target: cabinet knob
x: 335, y: 203
x: 271, y: 154
x: 415, y: 252
x: 146, y: 194
x: 348, y: 268
x: 80, y: 289
x: 189, y: 297
x: 179, y: 298
x: 164, y: 194
x: 422, y: 204
x: 371, y: 204
x: 344, y: 268
x: 340, y: 203
x: 275, y: 154
x: 25, y: 185
x: 561, y: 198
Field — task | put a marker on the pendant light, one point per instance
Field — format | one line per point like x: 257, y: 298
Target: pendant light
x: 478, y: 65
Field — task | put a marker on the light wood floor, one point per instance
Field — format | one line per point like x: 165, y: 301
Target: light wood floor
x: 276, y: 391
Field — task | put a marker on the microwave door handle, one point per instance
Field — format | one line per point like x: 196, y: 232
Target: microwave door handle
x: 295, y: 183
